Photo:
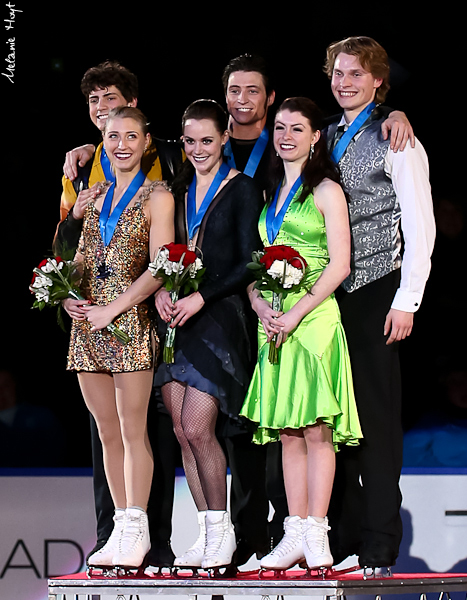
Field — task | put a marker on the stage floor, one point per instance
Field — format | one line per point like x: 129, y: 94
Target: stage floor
x: 294, y: 582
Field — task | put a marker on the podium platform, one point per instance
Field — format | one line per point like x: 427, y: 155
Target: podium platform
x: 293, y: 583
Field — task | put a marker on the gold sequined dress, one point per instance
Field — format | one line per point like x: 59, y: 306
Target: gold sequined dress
x: 108, y: 272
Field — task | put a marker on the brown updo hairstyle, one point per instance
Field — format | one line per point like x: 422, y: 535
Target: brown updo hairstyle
x: 198, y: 110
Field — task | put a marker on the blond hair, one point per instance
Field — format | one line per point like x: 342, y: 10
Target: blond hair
x: 372, y: 56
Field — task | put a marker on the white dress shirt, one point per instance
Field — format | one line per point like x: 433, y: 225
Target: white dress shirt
x: 409, y: 173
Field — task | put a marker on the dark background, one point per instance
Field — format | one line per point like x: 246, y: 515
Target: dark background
x: 178, y: 54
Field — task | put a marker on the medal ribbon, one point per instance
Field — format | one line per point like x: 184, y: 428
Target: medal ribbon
x: 194, y: 218
x: 342, y: 144
x: 108, y: 223
x: 255, y: 156
x: 273, y: 221
x: 106, y: 166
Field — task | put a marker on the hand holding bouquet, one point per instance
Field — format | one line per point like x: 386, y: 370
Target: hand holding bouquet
x: 181, y: 270
x: 54, y: 280
x: 279, y: 269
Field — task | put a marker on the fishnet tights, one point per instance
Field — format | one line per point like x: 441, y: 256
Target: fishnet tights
x: 194, y: 415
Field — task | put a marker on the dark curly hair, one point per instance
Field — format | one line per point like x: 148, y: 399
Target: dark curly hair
x: 107, y: 73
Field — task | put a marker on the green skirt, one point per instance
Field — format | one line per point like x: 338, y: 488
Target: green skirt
x: 312, y: 381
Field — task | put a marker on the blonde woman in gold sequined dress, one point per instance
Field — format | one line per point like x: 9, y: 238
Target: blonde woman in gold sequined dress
x: 125, y: 224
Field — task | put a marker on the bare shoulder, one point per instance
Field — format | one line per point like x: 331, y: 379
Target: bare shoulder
x: 232, y: 173
x: 157, y: 192
x: 158, y: 188
x: 328, y: 193
x: 327, y: 186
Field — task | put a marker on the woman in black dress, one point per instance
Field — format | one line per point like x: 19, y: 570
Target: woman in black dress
x: 205, y: 386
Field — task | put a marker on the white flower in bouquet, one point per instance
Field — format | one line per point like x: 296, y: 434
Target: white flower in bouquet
x: 55, y: 279
x: 42, y: 281
x: 277, y: 269
x: 195, y: 267
x: 52, y: 265
x: 42, y: 294
x: 293, y: 276
x: 163, y: 263
x: 180, y: 269
x: 176, y: 259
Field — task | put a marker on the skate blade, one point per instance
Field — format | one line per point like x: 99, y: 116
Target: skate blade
x: 156, y: 572
x: 192, y: 571
x: 222, y: 571
x: 125, y: 572
x: 321, y: 572
x: 107, y: 571
x: 277, y: 573
x: 280, y: 573
x: 376, y: 572
x: 337, y: 572
x: 132, y: 571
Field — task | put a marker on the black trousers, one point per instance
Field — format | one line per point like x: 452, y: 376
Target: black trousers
x: 164, y: 446
x: 256, y: 480
x: 366, y: 499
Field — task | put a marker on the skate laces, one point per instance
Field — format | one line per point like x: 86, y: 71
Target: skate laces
x: 217, y: 538
x: 197, y: 547
x: 316, y: 536
x: 112, y: 542
x: 292, y: 536
x: 111, y: 545
x: 132, y: 532
x: 285, y: 546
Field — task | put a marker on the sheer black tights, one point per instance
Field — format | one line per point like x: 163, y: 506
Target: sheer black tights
x: 194, y: 416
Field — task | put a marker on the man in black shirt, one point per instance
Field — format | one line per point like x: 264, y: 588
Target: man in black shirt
x: 256, y: 470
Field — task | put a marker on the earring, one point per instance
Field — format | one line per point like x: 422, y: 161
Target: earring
x: 312, y: 149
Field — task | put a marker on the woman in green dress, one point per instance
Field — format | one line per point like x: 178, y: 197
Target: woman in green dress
x: 307, y: 398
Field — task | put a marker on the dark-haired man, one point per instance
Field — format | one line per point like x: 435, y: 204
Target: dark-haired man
x: 249, y: 94
x: 257, y: 471
x: 107, y: 86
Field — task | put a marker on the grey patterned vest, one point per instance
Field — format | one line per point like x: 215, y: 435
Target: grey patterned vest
x: 374, y: 210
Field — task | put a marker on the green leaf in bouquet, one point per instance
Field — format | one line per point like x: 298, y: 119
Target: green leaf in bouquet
x: 256, y: 256
x: 254, y: 266
x: 191, y: 285
x: 60, y: 321
x: 39, y: 304
x: 169, y: 284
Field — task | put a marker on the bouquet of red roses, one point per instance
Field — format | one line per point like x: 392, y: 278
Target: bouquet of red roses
x: 54, y: 280
x: 181, y: 270
x: 279, y: 269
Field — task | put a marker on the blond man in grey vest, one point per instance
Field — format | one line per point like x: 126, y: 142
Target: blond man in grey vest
x: 393, y: 232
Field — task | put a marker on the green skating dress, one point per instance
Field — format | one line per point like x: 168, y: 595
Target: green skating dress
x: 313, y: 378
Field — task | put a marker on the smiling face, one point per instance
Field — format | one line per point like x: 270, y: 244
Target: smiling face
x: 246, y: 98
x: 293, y: 136
x: 203, y: 144
x: 101, y: 102
x: 125, y: 143
x: 353, y: 86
